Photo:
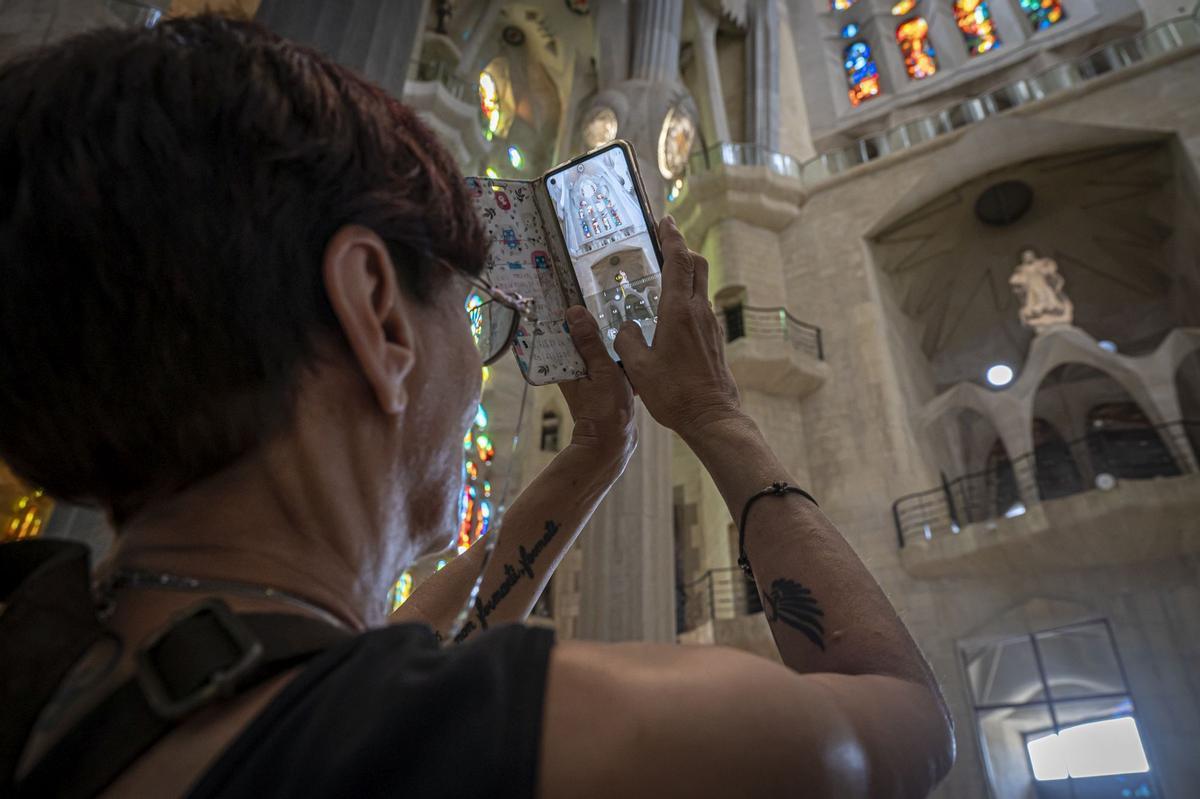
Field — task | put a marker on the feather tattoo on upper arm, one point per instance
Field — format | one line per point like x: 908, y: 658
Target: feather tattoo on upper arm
x: 794, y: 605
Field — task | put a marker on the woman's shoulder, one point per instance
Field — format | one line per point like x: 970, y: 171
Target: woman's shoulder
x: 393, y: 710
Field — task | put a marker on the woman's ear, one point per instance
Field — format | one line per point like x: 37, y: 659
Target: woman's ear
x: 360, y: 280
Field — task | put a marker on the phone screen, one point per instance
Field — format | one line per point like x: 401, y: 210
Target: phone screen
x: 609, y: 240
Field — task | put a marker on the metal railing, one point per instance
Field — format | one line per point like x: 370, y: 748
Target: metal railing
x: 744, y: 154
x: 1054, y: 469
x: 1162, y: 39
x: 716, y: 594
x: 747, y: 321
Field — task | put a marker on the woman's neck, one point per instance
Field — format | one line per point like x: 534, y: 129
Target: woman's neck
x: 285, y: 519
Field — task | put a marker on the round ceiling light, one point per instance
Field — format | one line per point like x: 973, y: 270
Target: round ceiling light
x: 999, y: 375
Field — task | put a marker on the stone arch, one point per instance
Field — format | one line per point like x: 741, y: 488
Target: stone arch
x: 1092, y: 424
x: 1055, y: 465
x: 1187, y: 393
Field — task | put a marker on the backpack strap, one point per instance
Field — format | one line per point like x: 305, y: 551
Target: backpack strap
x: 47, y: 622
x: 206, y: 653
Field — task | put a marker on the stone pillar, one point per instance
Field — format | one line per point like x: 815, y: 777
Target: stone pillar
x: 627, y: 580
x: 947, y: 39
x: 467, y: 64
x: 888, y: 59
x: 714, y: 119
x: 375, y: 37
x: 762, y: 75
x: 657, y: 26
x: 612, y: 42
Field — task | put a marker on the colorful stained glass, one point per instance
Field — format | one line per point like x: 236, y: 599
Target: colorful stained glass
x: 841, y: 5
x: 974, y: 19
x: 850, y: 31
x: 913, y: 37
x: 515, y: 157
x: 401, y: 590
x: 903, y: 7
x: 489, y: 101
x: 861, y: 73
x: 1043, y: 13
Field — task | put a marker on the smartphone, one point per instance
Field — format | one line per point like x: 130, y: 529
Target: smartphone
x: 610, y: 238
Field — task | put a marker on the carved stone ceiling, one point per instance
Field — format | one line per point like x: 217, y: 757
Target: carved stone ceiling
x: 1105, y: 215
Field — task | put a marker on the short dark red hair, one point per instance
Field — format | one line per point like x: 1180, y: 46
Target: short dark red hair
x: 166, y: 197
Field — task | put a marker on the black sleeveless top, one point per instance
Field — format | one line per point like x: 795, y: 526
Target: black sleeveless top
x: 390, y: 713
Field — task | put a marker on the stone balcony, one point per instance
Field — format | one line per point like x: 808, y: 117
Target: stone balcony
x: 739, y: 181
x: 1108, y: 499
x: 771, y: 351
x: 1134, y: 521
x: 449, y: 106
x: 722, y: 608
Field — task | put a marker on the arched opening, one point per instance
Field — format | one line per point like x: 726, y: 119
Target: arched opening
x: 1122, y: 442
x: 987, y: 485
x: 1057, y: 473
x: 730, y: 303
x: 550, y: 429
x: 1187, y: 389
x: 1089, y: 431
x: 1002, y: 482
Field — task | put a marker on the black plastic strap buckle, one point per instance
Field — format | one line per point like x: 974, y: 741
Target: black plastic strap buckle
x: 221, y: 682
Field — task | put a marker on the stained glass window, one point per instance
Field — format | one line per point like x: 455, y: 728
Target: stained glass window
x: 861, y: 72
x: 849, y: 31
x: 919, y: 58
x: 974, y: 19
x: 840, y: 5
x: 1043, y: 13
x: 489, y: 101
x: 903, y: 7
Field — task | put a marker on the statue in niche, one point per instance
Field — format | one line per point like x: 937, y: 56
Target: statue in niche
x: 1039, y: 286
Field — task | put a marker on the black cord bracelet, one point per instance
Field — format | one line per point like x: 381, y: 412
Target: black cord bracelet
x: 773, y: 490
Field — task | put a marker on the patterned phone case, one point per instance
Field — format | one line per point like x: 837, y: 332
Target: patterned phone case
x: 524, y: 259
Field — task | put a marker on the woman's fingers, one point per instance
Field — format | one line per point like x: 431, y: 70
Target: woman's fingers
x: 586, y: 335
x: 630, y: 344
x: 678, y: 272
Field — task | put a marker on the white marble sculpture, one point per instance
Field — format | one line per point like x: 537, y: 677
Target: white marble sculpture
x: 1040, y: 289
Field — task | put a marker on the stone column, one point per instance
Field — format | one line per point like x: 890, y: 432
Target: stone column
x: 627, y: 581
x: 947, y: 39
x: 714, y: 118
x: 762, y: 75
x: 888, y: 59
x: 375, y: 37
x: 1012, y: 26
x: 657, y: 26
x: 467, y: 64
x: 612, y: 42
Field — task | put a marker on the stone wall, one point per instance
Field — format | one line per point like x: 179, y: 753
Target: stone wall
x: 864, y: 452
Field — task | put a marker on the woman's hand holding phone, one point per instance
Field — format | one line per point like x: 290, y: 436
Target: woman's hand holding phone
x: 683, y: 379
x: 601, y: 403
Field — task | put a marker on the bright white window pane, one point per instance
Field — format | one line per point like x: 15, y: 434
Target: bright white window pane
x: 1112, y: 746
x: 1046, y: 755
x: 1095, y: 749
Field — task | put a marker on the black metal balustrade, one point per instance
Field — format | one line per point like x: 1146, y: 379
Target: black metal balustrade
x: 1057, y: 468
x: 716, y: 594
x: 747, y: 321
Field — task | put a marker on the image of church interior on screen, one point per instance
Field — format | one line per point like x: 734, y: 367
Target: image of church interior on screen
x: 608, y: 242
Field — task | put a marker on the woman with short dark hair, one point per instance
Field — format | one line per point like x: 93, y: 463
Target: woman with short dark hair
x: 232, y: 315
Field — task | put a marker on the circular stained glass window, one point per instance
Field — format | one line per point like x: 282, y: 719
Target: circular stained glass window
x: 600, y: 128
